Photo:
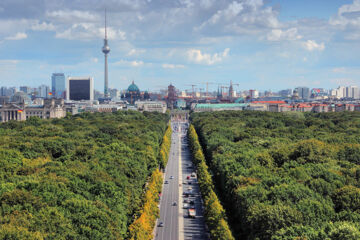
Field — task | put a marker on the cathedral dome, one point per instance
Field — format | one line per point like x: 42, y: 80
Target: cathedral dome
x: 133, y: 88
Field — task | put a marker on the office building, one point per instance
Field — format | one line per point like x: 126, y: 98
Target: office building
x: 303, y: 92
x: 58, y: 85
x: 253, y: 93
x: 25, y: 89
x: 43, y: 91
x: 352, y: 92
x: 80, y: 88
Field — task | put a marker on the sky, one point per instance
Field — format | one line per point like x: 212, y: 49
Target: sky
x: 257, y: 44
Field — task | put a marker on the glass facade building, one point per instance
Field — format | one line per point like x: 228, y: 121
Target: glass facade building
x: 58, y: 85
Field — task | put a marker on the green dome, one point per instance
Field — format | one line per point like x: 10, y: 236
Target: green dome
x: 133, y: 88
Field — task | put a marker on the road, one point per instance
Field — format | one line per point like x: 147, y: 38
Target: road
x: 177, y: 224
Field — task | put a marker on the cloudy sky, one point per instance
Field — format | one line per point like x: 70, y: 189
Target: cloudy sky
x: 262, y: 44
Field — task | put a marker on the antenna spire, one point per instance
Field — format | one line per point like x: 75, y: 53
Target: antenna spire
x: 105, y: 26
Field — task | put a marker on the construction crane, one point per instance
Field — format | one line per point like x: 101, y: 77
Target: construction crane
x: 207, y: 87
x: 201, y: 89
x: 192, y: 86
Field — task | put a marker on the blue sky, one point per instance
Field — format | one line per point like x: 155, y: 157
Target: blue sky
x: 261, y: 44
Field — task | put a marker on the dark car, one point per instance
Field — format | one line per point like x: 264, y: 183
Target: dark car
x: 161, y: 224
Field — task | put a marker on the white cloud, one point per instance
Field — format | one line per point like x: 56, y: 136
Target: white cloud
x: 311, y: 45
x: 172, y: 66
x: 8, y: 62
x: 136, y: 63
x: 67, y: 16
x: 17, y: 36
x: 240, y: 17
x: 280, y: 35
x: 95, y: 60
x: 339, y: 70
x: 136, y: 52
x: 43, y: 26
x: 196, y: 56
x: 88, y: 31
x: 348, y: 20
x: 129, y: 63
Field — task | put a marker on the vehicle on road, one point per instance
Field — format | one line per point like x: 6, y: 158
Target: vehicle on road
x: 174, y: 203
x: 161, y: 224
x: 166, y: 182
x: 193, y: 174
x: 188, y: 177
x: 186, y: 201
x: 171, y: 177
x: 186, y: 206
x: 192, y: 212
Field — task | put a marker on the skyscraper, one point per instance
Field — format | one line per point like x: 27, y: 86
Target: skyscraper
x: 106, y: 50
x: 58, y: 85
x: 43, y: 91
x: 304, y: 92
x: 80, y: 88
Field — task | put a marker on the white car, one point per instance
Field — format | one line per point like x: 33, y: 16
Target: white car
x: 186, y: 206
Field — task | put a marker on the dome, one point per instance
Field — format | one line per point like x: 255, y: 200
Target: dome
x: 133, y: 88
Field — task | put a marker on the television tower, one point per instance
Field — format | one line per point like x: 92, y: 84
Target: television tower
x: 106, y: 50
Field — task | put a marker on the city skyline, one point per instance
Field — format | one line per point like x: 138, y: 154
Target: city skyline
x: 273, y: 45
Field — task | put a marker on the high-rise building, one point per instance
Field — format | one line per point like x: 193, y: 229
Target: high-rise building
x: 58, y: 85
x: 80, y: 88
x: 253, y: 93
x: 285, y: 93
x: 25, y: 89
x: 352, y: 92
x: 43, y: 91
x: 4, y: 91
x: 106, y: 50
x: 303, y: 92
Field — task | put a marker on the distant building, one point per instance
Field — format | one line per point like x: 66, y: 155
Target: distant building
x: 58, y: 85
x: 80, y: 88
x: 114, y: 93
x: 352, y: 92
x: 43, y: 91
x: 151, y: 106
x: 133, y: 93
x: 285, y: 93
x: 25, y: 89
x: 52, y: 108
x: 303, y: 92
x: 253, y: 93
x: 4, y: 91
x: 171, y: 97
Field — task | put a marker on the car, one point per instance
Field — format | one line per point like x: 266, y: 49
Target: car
x: 171, y: 177
x: 193, y: 174
x: 189, y: 183
x: 166, y: 182
x: 188, y: 177
x: 161, y: 224
x: 186, y: 201
x: 174, y: 203
x: 192, y: 202
x: 189, y: 188
x: 186, y: 206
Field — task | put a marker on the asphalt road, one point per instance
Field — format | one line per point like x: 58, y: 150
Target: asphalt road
x: 194, y: 228
x: 170, y: 194
x: 171, y: 216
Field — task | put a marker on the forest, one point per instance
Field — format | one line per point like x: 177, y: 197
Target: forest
x: 80, y: 177
x: 285, y: 175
